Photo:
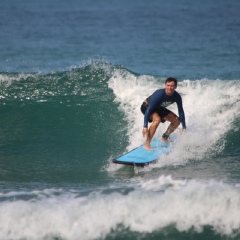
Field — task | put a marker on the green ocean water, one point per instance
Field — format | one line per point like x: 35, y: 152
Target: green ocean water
x: 61, y: 126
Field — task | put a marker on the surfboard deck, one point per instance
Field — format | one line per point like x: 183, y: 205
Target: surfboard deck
x: 142, y: 157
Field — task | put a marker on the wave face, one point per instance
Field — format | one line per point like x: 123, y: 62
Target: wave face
x: 54, y: 124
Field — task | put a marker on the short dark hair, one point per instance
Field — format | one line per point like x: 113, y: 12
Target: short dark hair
x: 171, y: 79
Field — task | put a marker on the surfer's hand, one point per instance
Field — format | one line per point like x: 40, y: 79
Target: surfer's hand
x: 145, y: 132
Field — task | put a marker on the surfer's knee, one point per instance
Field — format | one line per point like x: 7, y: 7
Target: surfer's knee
x: 156, y: 120
x: 176, y: 121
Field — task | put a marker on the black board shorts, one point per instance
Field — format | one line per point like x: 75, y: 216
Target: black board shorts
x: 161, y: 111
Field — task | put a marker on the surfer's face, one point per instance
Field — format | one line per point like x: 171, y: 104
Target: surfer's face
x: 170, y: 87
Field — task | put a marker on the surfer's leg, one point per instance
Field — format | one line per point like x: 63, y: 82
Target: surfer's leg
x: 152, y: 129
x: 174, y: 119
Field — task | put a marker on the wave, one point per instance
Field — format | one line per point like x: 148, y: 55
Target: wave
x: 84, y: 81
x: 160, y: 207
x: 107, y: 98
x: 55, y: 122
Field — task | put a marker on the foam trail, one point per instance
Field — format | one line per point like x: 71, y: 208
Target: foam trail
x: 146, y: 207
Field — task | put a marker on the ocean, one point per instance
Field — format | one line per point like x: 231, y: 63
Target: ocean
x: 73, y: 75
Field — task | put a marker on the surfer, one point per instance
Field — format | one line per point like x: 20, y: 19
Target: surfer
x: 155, y: 111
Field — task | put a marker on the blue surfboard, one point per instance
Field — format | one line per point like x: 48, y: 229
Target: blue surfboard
x: 141, y: 157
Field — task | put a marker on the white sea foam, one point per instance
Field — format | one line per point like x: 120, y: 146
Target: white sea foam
x: 148, y: 206
x: 210, y: 106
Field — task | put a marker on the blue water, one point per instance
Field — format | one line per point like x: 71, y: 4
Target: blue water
x: 73, y: 75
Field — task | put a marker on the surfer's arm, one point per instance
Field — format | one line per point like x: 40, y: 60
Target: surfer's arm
x: 147, y: 115
x: 181, y: 111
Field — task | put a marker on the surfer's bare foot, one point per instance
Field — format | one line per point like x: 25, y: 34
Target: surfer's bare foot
x: 147, y: 147
x: 164, y: 140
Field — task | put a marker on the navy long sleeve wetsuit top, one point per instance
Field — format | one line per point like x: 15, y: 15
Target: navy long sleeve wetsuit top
x: 160, y: 99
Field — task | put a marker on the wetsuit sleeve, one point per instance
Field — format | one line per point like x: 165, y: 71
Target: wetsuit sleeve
x: 156, y: 98
x: 181, y: 111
